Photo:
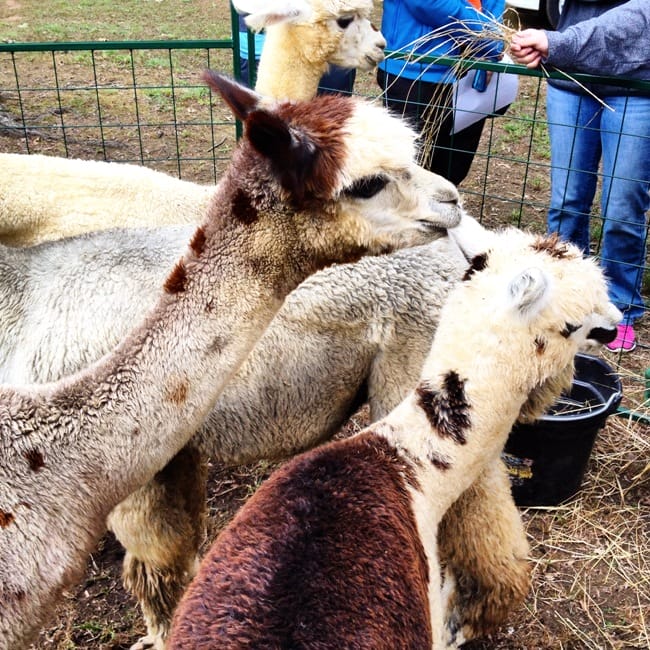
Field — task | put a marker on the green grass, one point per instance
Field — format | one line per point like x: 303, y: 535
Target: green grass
x: 100, y: 633
x: 63, y: 20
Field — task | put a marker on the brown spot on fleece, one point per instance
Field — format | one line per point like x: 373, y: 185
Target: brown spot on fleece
x: 197, y: 243
x: 446, y: 409
x: 553, y: 245
x: 478, y: 263
x: 243, y: 208
x: 177, y: 392
x: 35, y: 459
x: 326, y: 554
x: 6, y: 518
x: 175, y: 283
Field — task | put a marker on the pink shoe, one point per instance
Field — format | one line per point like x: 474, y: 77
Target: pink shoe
x: 625, y: 340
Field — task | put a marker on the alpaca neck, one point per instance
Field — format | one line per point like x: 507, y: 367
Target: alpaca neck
x: 453, y: 457
x: 445, y: 466
x: 191, y: 344
x: 286, y: 70
x: 133, y: 410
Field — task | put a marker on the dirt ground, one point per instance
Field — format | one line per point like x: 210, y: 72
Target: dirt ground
x: 590, y: 556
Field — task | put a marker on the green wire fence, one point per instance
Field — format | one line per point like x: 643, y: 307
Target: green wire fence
x: 144, y: 102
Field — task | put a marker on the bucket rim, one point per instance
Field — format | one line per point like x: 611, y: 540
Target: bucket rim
x: 608, y: 404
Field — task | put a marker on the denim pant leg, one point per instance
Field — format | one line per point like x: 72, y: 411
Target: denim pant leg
x: 573, y: 122
x: 625, y: 137
x: 337, y: 80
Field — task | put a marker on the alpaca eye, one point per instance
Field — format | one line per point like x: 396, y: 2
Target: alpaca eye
x: 367, y: 187
x: 344, y: 22
x: 569, y: 328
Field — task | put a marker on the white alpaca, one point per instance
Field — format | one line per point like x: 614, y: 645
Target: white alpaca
x: 338, y: 548
x: 47, y: 197
x: 287, y: 205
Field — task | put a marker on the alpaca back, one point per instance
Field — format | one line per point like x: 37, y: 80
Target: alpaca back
x: 67, y: 196
x: 66, y: 303
x: 310, y: 560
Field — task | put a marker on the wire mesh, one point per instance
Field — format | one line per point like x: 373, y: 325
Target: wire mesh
x: 144, y: 102
x: 137, y: 102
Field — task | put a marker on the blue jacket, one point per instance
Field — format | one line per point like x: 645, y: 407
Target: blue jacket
x: 405, y: 21
x: 243, y: 40
x: 602, y: 38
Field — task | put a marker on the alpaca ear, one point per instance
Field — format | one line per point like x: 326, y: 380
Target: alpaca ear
x: 241, y: 99
x: 262, y: 13
x: 291, y: 152
x: 528, y: 291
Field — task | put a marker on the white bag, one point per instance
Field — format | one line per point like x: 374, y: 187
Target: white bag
x: 471, y: 105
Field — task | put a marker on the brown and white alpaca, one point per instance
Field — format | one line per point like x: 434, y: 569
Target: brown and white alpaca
x: 71, y: 196
x: 288, y: 204
x: 337, y: 549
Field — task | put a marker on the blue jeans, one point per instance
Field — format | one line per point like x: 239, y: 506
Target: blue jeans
x: 583, y: 132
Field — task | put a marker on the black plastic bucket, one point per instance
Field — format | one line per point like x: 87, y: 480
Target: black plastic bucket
x: 547, y: 459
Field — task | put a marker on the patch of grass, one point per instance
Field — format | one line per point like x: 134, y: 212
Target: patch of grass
x: 121, y: 59
x: 96, y: 632
x: 157, y: 62
x: 81, y: 58
x: 159, y: 96
x: 105, y: 19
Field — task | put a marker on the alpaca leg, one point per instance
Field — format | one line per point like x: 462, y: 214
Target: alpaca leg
x: 484, y: 548
x: 162, y: 526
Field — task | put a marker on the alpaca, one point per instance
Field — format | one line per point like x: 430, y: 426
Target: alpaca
x: 294, y: 199
x: 354, y: 325
x: 49, y: 197
x: 311, y: 34
x: 71, y: 196
x: 337, y: 549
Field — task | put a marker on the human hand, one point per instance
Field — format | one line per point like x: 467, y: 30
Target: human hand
x: 529, y: 47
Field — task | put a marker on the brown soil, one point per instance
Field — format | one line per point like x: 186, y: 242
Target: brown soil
x: 590, y: 556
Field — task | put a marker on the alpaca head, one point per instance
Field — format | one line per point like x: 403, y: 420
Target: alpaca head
x: 346, y: 162
x: 531, y: 303
x: 330, y: 31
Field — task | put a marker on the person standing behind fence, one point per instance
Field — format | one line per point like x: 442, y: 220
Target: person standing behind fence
x: 335, y: 80
x: 606, y: 38
x: 409, y: 86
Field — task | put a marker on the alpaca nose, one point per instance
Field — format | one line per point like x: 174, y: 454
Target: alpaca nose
x: 602, y: 334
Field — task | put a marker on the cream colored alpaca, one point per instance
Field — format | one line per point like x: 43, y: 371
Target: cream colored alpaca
x: 304, y: 36
x: 338, y: 549
x: 288, y: 204
x: 46, y: 197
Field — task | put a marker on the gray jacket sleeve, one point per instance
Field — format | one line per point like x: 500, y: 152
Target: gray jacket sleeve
x: 617, y: 42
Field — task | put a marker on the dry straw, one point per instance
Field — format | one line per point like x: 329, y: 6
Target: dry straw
x: 469, y: 38
x: 591, y: 556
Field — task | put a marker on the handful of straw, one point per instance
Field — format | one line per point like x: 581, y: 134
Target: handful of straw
x: 470, y: 38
